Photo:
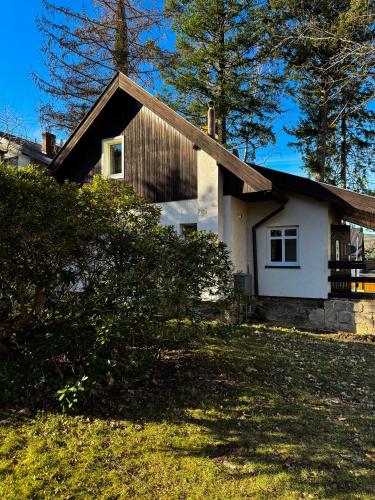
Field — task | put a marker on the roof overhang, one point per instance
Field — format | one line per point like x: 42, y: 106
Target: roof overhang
x: 255, y: 180
x: 354, y: 207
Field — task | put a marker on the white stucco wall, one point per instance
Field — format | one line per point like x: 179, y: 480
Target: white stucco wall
x: 232, y: 219
x: 174, y: 213
x: 313, y: 220
x: 235, y: 231
x: 210, y: 189
x: 207, y: 209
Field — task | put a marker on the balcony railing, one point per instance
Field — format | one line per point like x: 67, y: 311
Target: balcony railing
x: 344, y: 284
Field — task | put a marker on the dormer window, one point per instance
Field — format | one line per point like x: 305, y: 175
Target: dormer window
x: 113, y: 157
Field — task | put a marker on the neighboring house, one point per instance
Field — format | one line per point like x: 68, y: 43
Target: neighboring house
x: 281, y: 229
x: 20, y: 152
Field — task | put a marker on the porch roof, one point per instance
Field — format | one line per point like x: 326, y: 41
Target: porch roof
x: 354, y: 207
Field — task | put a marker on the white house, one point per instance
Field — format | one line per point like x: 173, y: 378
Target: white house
x: 19, y: 152
x: 281, y: 229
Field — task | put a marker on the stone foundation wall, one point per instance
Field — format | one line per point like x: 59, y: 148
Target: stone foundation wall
x: 346, y: 315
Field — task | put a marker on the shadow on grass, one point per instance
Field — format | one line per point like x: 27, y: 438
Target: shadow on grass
x: 271, y: 402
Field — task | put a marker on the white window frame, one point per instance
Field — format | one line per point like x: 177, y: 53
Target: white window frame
x: 283, y: 238
x: 106, y: 167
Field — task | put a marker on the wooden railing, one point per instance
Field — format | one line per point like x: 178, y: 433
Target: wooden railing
x: 351, y: 279
x: 346, y: 264
x: 345, y: 285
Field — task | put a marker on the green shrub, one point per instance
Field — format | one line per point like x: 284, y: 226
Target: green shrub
x: 88, y: 280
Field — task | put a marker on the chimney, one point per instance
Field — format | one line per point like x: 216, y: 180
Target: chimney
x: 211, y: 120
x: 236, y: 153
x: 48, y: 144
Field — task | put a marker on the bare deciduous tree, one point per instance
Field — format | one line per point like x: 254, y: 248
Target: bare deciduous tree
x: 13, y: 132
x: 83, y: 47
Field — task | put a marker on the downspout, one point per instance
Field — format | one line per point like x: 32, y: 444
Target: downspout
x: 283, y: 202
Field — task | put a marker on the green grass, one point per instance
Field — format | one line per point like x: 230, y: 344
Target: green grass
x: 263, y: 413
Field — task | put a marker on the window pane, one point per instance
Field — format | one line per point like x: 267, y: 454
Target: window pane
x: 290, y: 232
x: 115, y: 155
x: 290, y: 250
x: 275, y: 232
x: 276, y: 251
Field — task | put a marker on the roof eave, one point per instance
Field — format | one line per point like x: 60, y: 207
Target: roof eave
x: 246, y: 173
x: 86, y: 120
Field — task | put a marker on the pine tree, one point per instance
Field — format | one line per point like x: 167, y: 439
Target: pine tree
x: 83, y: 48
x: 314, y: 133
x: 306, y: 65
x: 355, y: 132
x: 354, y: 160
x: 219, y: 57
x: 329, y: 84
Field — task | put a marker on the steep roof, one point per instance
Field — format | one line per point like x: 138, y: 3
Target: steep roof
x: 246, y: 173
x: 355, y: 207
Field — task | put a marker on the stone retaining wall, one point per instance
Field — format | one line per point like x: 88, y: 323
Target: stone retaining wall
x: 346, y: 315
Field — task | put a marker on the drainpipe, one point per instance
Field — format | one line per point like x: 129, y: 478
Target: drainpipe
x: 283, y: 202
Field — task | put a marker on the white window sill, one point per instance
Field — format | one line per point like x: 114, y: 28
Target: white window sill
x: 282, y: 266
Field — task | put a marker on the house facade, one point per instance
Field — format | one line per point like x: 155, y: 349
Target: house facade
x: 19, y: 152
x: 282, y: 230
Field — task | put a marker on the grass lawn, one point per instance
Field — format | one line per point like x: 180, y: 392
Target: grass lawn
x: 261, y: 413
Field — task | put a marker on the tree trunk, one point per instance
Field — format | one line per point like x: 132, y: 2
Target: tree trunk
x: 121, y: 48
x: 222, y: 130
x: 321, y: 153
x: 343, y: 151
x: 246, y: 151
x: 222, y: 118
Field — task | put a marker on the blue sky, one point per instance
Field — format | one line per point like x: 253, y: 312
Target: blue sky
x: 20, y: 41
x: 20, y: 44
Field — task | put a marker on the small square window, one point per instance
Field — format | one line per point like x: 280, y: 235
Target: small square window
x: 283, y: 246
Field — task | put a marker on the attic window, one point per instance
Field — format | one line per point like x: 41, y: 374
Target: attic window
x: 113, y: 158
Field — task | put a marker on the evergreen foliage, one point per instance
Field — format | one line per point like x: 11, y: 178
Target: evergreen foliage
x: 88, y: 280
x: 335, y: 131
x: 219, y: 56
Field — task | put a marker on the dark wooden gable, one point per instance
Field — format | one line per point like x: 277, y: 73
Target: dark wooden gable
x: 116, y: 108
x: 160, y: 162
x: 86, y: 154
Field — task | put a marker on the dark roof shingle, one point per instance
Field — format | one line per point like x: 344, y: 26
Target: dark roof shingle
x: 355, y: 207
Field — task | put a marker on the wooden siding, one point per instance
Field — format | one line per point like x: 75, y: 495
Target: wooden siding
x: 84, y: 155
x: 160, y: 163
x: 65, y: 164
